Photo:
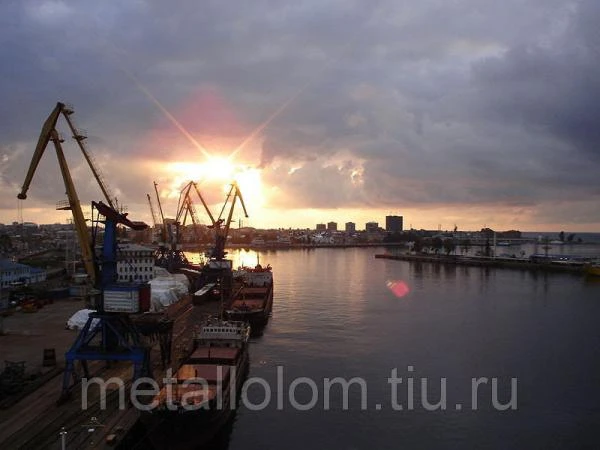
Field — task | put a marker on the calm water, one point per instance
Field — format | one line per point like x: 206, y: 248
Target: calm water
x: 336, y: 316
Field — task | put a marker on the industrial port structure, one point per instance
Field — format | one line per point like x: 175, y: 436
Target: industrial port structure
x: 117, y: 331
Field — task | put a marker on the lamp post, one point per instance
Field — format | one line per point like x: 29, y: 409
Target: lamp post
x: 63, y: 438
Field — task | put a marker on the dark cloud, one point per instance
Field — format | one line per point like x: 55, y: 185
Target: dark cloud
x: 387, y: 104
x: 550, y: 89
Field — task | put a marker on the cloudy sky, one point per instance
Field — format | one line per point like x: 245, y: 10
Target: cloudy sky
x: 449, y: 112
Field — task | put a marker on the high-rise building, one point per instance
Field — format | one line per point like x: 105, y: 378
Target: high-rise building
x: 371, y: 227
x: 321, y: 227
x: 350, y: 227
x: 393, y: 224
x: 331, y: 226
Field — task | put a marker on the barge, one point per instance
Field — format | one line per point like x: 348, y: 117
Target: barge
x: 252, y: 302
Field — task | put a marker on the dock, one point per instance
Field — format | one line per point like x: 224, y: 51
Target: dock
x: 37, y: 422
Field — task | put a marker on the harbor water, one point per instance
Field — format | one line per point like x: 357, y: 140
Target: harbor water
x: 529, y: 342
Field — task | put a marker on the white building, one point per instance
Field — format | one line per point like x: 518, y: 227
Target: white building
x: 135, y: 263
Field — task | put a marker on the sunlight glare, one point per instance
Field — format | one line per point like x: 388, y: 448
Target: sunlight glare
x: 250, y: 183
x: 220, y: 170
x: 398, y: 287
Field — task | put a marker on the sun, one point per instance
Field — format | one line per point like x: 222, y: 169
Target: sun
x: 214, y: 168
x: 219, y: 170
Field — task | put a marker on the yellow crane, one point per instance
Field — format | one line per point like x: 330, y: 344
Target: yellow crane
x: 49, y: 133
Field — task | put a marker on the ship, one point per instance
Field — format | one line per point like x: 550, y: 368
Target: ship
x: 252, y: 301
x: 201, y: 398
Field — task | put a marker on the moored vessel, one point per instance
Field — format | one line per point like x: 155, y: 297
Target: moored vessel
x: 252, y: 302
x: 201, y: 397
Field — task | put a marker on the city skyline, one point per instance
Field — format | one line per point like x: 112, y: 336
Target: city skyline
x: 467, y: 114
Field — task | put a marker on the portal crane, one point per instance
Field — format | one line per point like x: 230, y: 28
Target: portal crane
x: 185, y: 207
x: 216, y: 280
x: 191, y: 208
x: 221, y: 225
x: 168, y: 255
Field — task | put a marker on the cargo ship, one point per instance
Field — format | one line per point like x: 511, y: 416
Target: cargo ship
x: 252, y: 301
x: 201, y: 398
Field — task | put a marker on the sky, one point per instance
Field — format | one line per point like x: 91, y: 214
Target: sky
x: 466, y: 113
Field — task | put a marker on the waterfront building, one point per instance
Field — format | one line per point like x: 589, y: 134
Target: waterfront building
x: 393, y: 224
x: 12, y: 273
x: 350, y: 227
x: 321, y: 227
x: 371, y: 227
x: 331, y: 226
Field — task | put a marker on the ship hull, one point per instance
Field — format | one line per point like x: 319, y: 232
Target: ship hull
x: 187, y: 430
x: 257, y: 318
x: 194, y: 406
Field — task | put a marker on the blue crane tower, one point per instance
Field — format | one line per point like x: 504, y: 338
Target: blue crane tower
x: 109, y: 334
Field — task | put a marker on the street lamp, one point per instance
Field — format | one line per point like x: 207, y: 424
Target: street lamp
x: 63, y: 438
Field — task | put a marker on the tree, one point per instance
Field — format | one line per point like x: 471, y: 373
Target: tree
x: 437, y: 244
x: 561, y: 236
x: 5, y: 243
x: 418, y: 245
x: 487, y: 232
x: 570, y: 237
x: 546, y: 246
x: 449, y: 246
x: 465, y: 245
x: 488, y: 248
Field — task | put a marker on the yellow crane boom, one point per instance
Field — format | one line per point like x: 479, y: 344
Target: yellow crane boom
x: 47, y: 134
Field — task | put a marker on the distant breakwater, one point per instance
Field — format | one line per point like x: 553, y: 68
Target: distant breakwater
x: 482, y: 261
x: 271, y: 246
